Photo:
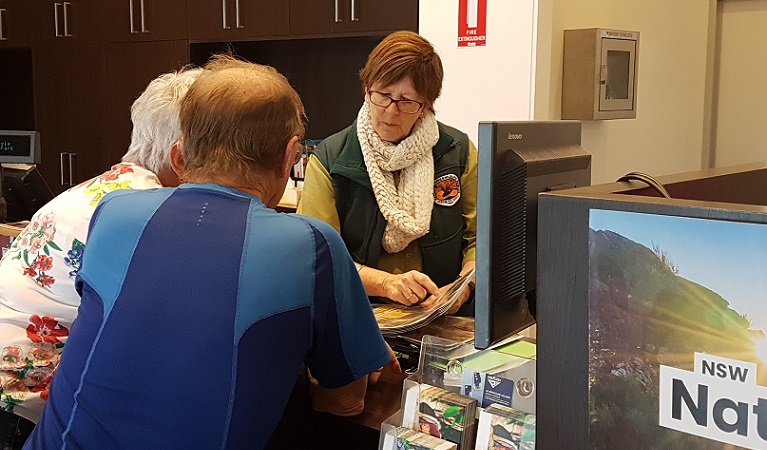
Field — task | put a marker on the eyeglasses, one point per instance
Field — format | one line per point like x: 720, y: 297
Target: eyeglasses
x: 300, y: 152
x: 404, y: 105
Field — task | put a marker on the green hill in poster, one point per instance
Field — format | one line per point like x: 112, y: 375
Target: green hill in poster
x: 643, y: 314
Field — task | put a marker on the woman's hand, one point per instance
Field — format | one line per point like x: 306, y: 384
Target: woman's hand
x: 408, y: 288
x: 464, y: 296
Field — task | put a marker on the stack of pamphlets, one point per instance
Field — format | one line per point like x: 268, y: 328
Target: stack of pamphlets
x: 501, y: 427
x: 459, y: 330
x: 408, y: 439
x: 394, y: 318
x: 441, y: 413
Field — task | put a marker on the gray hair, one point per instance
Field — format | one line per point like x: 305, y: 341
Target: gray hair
x: 155, y: 119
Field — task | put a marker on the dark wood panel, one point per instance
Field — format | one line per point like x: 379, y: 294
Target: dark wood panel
x: 67, y: 92
x: 51, y: 120
x: 15, y: 24
x: 562, y: 337
x: 124, y: 80
x: 58, y: 22
x: 315, y: 17
x: 351, y: 17
x: 325, y: 72
x: 223, y: 20
x: 389, y: 15
x: 16, y: 94
x: 142, y: 20
x: 83, y: 78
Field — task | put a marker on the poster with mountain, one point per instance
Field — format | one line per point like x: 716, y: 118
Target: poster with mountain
x: 677, y: 322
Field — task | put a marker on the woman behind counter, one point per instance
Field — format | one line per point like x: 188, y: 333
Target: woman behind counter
x: 399, y: 186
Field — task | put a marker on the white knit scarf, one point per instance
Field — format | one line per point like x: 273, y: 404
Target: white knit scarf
x: 406, y: 206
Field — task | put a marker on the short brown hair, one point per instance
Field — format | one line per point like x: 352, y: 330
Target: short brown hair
x: 402, y: 54
x: 236, y: 120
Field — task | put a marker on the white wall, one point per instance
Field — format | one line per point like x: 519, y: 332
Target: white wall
x: 493, y: 82
x: 741, y: 125
x: 504, y: 82
x: 673, y: 82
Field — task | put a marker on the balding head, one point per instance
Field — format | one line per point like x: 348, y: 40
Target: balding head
x: 236, y: 121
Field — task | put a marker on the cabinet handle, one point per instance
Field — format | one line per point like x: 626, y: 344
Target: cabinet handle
x: 237, y: 14
x: 2, y: 36
x: 61, y: 168
x: 223, y: 15
x: 354, y: 11
x: 72, y: 168
x: 337, y: 17
x: 56, y: 23
x: 143, y: 18
x: 130, y: 13
x: 66, y: 21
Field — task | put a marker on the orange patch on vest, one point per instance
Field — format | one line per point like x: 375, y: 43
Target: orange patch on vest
x: 447, y: 190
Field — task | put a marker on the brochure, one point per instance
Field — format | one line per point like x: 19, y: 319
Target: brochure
x: 394, y: 318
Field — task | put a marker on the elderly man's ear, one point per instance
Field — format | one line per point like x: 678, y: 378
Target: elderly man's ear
x: 177, y: 159
x: 169, y: 176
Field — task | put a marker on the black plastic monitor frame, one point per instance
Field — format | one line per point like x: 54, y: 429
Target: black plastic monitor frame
x: 30, y: 140
x: 517, y: 160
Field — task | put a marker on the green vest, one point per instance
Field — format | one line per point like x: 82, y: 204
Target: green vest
x: 362, y: 224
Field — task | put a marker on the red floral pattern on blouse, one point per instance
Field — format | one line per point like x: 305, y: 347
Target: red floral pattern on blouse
x: 117, y: 170
x: 45, y: 329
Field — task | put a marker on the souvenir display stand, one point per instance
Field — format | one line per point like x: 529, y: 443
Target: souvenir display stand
x: 454, y: 384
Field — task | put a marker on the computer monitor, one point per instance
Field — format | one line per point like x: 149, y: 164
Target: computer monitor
x: 517, y: 161
x: 19, y: 147
x: 651, y: 320
x: 24, y: 191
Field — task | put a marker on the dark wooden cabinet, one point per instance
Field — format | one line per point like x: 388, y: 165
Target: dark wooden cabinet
x: 383, y: 16
x: 331, y: 17
x: 15, y: 24
x: 318, y: 17
x: 236, y: 20
x: 86, y: 61
x: 74, y: 21
x: 87, y: 71
x: 132, y: 66
x: 16, y: 101
x: 83, y: 94
x: 142, y: 20
x: 68, y: 97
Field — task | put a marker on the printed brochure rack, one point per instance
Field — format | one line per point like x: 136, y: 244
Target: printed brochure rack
x: 478, y: 377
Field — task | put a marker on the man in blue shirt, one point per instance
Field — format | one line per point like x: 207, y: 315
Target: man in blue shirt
x: 201, y: 304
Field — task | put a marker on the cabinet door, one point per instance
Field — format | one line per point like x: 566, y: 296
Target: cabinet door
x: 215, y: 20
x: 124, y: 80
x: 383, y: 15
x: 17, y: 110
x: 323, y: 17
x: 68, y: 95
x: 318, y: 17
x: 15, y: 24
x: 66, y: 21
x: 143, y: 20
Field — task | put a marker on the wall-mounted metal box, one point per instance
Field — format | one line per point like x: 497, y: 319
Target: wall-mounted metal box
x: 599, y: 74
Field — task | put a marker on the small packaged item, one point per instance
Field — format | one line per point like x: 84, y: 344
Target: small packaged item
x: 504, y: 428
x: 408, y: 439
x: 447, y: 415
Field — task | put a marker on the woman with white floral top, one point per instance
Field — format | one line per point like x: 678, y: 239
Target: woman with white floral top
x: 38, y: 301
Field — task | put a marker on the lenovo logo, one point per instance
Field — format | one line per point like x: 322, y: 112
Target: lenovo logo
x: 514, y: 136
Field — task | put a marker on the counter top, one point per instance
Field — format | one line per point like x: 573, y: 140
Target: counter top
x: 289, y: 200
x: 12, y: 229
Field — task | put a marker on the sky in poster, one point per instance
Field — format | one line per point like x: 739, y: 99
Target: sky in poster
x: 730, y: 258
